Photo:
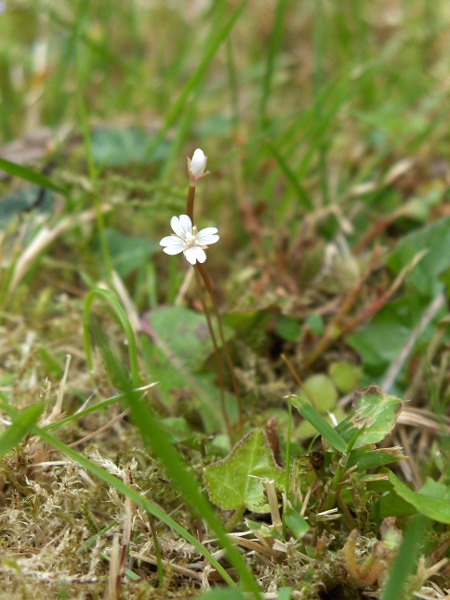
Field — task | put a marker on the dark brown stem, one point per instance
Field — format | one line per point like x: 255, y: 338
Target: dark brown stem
x: 218, y: 359
x: 207, y: 281
x: 190, y: 203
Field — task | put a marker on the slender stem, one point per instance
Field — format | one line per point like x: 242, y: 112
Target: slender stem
x: 201, y: 273
x: 235, y: 518
x: 159, y: 563
x: 206, y: 280
x: 190, y: 203
x: 218, y: 359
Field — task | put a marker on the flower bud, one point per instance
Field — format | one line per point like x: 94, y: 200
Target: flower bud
x: 197, y: 166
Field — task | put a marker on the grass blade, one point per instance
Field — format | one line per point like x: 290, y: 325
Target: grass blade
x: 22, y: 423
x: 406, y: 559
x: 319, y: 423
x: 29, y: 175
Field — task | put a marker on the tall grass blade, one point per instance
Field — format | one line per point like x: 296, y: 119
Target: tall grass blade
x: 406, y: 559
x: 22, y: 424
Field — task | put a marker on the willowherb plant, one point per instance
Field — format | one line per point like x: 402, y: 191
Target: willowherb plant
x: 192, y: 243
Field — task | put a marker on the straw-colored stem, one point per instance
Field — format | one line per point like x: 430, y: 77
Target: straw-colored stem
x: 218, y: 358
x: 206, y: 280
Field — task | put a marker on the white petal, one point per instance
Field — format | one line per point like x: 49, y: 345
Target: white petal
x: 181, y: 225
x: 198, y: 163
x: 195, y: 253
x: 172, y: 250
x: 208, y: 230
x: 186, y: 225
x: 176, y: 226
x: 169, y: 240
x: 207, y: 236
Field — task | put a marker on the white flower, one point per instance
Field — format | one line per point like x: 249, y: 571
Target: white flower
x: 197, y: 166
x: 188, y: 240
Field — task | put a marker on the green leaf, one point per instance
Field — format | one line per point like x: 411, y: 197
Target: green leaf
x: 435, y: 239
x: 29, y: 175
x: 297, y: 524
x: 288, y: 329
x: 20, y: 427
x: 369, y: 457
x: 185, y: 333
x: 236, y: 481
x: 318, y: 422
x: 345, y: 375
x: 432, y: 501
x: 380, y: 342
x: 320, y: 389
x: 128, y: 252
x: 125, y: 147
x: 391, y: 505
x: 374, y: 416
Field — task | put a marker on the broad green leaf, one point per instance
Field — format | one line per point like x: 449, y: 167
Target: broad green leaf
x: 237, y: 480
x: 19, y: 428
x: 345, y: 376
x: 128, y: 252
x: 185, y: 333
x: 391, y: 505
x: 380, y: 342
x: 29, y: 175
x: 174, y: 377
x: 432, y: 501
x: 435, y: 239
x: 374, y: 416
x: 320, y: 389
x: 125, y: 147
x: 320, y: 425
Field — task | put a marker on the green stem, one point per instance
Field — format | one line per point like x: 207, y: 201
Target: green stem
x: 235, y: 518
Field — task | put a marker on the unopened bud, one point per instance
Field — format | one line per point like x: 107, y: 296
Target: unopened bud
x: 197, y: 166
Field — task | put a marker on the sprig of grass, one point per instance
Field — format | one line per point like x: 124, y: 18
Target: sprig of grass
x: 21, y: 425
x: 126, y: 327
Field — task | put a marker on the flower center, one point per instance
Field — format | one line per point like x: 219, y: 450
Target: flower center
x: 190, y: 240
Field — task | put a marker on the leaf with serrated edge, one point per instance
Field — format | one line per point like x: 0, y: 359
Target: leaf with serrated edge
x: 237, y: 480
x: 375, y: 415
